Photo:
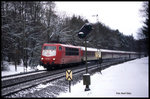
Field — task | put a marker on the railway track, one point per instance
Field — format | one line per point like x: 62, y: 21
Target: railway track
x: 13, y: 84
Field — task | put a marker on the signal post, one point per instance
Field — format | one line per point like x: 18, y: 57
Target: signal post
x: 84, y: 31
x: 69, y: 78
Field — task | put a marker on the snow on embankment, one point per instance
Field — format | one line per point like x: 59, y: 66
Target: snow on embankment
x: 10, y: 69
x: 129, y: 79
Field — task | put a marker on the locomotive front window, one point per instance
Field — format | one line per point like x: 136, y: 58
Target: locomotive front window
x: 49, y: 51
x: 49, y: 48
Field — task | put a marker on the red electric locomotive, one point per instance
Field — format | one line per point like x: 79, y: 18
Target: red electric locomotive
x: 54, y: 55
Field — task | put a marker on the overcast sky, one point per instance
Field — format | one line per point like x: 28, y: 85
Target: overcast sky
x: 124, y: 16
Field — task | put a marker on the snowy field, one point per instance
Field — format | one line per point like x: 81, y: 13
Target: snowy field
x: 129, y: 79
x: 20, y: 69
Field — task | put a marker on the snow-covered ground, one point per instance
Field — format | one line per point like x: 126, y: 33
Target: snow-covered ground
x: 20, y: 69
x: 129, y: 79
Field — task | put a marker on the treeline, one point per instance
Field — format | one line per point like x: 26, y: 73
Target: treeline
x: 26, y: 26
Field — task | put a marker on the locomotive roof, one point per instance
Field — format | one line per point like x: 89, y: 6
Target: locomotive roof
x: 65, y: 45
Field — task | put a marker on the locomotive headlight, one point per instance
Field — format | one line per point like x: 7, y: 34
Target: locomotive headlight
x: 54, y: 59
x: 42, y: 58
